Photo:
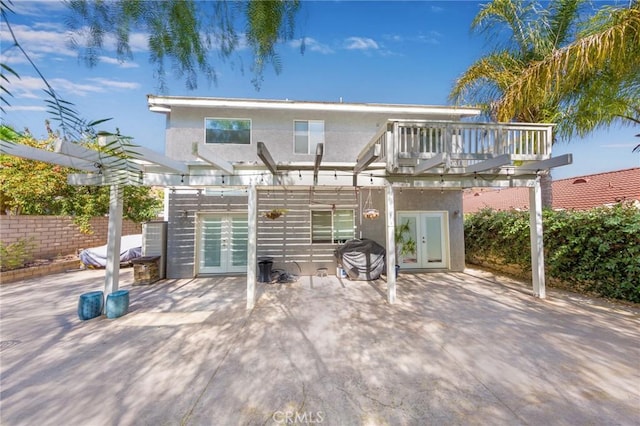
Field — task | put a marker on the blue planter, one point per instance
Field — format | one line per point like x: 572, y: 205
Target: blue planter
x: 117, y: 303
x: 90, y: 305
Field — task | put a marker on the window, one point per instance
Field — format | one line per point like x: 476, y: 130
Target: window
x: 227, y: 130
x: 307, y: 134
x: 332, y: 226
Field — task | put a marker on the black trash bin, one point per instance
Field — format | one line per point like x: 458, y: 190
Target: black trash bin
x: 264, y: 271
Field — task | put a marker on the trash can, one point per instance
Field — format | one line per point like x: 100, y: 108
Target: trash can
x: 264, y: 271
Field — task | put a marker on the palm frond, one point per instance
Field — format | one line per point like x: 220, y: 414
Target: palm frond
x: 614, y: 44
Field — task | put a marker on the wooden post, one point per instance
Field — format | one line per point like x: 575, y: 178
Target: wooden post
x: 536, y: 233
x: 391, y: 244
x: 252, y: 252
x: 114, y: 233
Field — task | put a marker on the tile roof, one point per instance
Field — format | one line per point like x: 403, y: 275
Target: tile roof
x: 577, y: 193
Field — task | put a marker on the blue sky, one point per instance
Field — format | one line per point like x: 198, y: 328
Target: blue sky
x: 358, y: 51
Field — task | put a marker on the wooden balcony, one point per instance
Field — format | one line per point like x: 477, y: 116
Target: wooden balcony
x: 421, y: 147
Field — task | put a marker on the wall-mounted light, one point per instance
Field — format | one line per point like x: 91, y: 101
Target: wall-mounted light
x: 185, y: 214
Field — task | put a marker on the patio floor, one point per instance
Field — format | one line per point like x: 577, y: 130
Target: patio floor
x: 456, y: 348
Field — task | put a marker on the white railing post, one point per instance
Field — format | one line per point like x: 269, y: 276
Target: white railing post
x: 252, y: 257
x: 536, y: 236
x: 114, y: 234
x: 391, y: 244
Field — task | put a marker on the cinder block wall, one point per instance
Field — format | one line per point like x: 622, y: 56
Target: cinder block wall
x: 58, y: 235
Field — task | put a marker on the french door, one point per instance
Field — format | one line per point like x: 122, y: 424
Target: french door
x: 221, y: 243
x: 429, y: 230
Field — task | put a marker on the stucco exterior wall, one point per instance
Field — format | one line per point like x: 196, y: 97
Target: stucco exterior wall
x: 417, y: 200
x: 345, y: 133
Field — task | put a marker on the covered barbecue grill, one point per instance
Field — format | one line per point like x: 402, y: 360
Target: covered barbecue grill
x: 362, y: 259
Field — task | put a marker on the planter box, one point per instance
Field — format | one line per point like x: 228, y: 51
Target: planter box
x: 38, y: 271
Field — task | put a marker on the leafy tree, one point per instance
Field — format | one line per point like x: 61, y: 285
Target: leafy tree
x: 185, y: 33
x: 36, y: 188
x: 73, y: 127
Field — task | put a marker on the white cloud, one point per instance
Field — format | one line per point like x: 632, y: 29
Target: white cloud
x: 119, y: 63
x: 360, y: 43
x: 138, y: 42
x: 26, y: 87
x: 396, y: 38
x: 312, y: 45
x: 32, y: 8
x: 121, y: 85
x: 29, y: 87
x: 432, y: 37
x: 25, y: 108
x: 39, y: 42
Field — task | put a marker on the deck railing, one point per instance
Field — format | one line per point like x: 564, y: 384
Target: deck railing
x: 459, y: 140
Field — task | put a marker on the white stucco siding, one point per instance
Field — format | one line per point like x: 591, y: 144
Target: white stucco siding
x: 345, y: 133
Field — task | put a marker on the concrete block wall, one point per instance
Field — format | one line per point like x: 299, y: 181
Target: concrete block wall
x: 58, y: 235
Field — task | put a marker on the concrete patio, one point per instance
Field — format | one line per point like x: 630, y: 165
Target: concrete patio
x: 457, y: 348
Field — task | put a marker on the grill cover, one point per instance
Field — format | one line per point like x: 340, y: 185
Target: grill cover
x: 362, y: 259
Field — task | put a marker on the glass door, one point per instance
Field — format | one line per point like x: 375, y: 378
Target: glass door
x: 429, y: 231
x: 221, y: 243
x: 433, y: 241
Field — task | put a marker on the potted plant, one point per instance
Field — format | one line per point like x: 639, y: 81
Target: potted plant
x: 405, y: 244
x: 274, y: 213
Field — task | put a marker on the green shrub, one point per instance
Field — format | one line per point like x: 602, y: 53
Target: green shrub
x: 594, y: 251
x: 17, y: 254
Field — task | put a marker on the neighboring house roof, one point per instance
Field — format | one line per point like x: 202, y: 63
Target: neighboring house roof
x: 576, y: 193
x: 164, y: 104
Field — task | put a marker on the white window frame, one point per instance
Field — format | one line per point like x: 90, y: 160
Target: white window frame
x: 206, y: 119
x: 334, y: 238
x: 312, y: 142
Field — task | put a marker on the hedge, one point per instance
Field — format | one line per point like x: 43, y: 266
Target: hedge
x: 595, y: 251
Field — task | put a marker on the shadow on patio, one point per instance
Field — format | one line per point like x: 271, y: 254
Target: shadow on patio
x: 456, y: 348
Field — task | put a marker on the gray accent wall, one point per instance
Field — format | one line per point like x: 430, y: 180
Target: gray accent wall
x: 288, y: 239
x: 416, y: 200
x: 181, y: 235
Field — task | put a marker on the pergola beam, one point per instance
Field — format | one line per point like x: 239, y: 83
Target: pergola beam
x: 493, y: 163
x: 428, y: 164
x: 559, y: 161
x: 316, y: 164
x: 31, y: 153
x: 369, y: 157
x: 265, y: 156
x: 104, y: 159
x: 202, y: 152
x: 160, y: 160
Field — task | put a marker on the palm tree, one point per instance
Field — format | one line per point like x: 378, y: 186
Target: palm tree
x: 596, y: 76
x: 524, y: 33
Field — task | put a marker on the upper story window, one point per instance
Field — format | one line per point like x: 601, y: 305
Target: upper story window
x: 307, y: 134
x: 227, y: 130
x: 332, y: 226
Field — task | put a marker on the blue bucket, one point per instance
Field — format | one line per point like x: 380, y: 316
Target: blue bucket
x: 90, y: 305
x: 117, y: 303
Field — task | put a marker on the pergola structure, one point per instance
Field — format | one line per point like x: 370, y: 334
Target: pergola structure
x: 430, y: 155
